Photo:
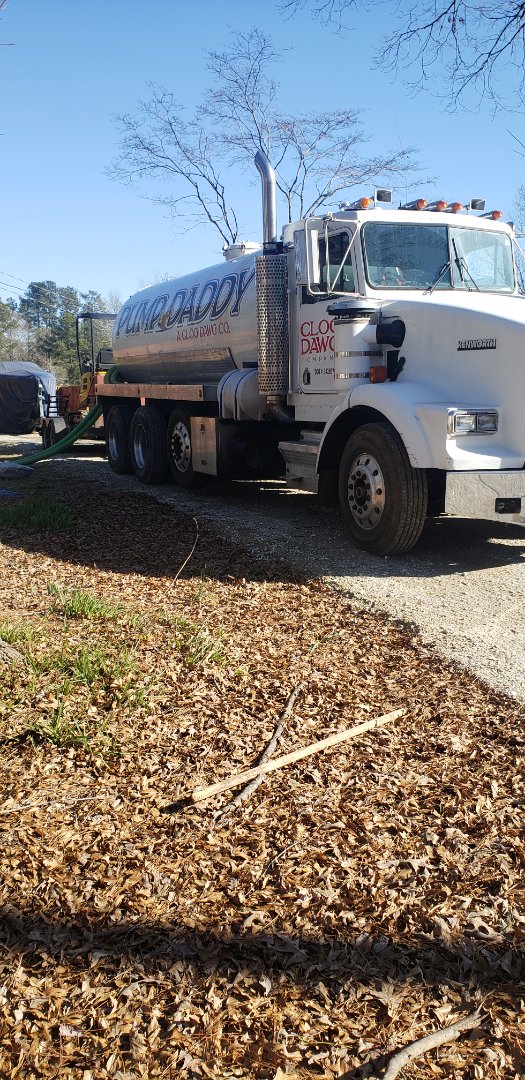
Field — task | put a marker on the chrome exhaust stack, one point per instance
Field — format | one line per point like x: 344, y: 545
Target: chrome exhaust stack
x: 271, y: 277
x: 269, y: 188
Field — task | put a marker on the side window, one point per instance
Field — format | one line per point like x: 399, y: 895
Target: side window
x: 337, y: 274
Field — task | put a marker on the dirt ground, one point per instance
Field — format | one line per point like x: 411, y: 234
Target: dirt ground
x: 355, y: 902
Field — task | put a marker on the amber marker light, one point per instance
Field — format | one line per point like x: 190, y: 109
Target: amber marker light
x: 496, y: 214
x: 456, y: 207
x: 441, y: 205
x: 420, y: 204
x: 366, y: 203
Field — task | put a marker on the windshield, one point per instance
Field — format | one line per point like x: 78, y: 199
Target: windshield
x: 436, y: 256
x: 482, y: 260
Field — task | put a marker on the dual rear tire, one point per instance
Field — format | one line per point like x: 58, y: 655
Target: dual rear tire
x: 383, y: 498
x: 139, y: 441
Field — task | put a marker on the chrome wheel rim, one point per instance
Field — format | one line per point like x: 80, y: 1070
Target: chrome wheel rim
x: 140, y: 447
x: 180, y: 447
x: 366, y: 492
x: 113, y: 442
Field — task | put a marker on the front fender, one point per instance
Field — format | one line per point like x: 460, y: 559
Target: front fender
x: 404, y: 405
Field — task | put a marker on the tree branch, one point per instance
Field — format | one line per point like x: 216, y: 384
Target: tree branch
x: 430, y: 1042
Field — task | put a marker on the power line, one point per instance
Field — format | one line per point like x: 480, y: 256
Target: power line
x: 36, y: 286
x: 23, y: 280
x: 39, y: 303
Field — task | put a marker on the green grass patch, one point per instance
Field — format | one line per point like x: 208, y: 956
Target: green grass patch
x: 63, y: 730
x: 89, y: 664
x: 196, y: 644
x: 21, y: 634
x: 70, y: 694
x: 39, y: 514
x: 80, y: 604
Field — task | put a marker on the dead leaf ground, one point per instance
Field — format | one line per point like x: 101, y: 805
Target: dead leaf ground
x: 358, y: 901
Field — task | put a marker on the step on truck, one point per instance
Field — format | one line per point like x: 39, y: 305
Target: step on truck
x: 374, y: 355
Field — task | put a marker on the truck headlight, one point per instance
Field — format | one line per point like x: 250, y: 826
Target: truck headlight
x: 472, y: 421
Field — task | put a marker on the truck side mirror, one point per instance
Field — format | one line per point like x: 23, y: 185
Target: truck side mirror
x: 306, y: 245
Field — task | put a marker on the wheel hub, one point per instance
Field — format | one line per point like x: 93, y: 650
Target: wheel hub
x: 181, y: 447
x: 366, y: 491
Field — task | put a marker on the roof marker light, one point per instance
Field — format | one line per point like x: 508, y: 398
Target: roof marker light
x: 417, y: 204
x: 456, y: 207
x: 360, y: 204
x: 439, y: 205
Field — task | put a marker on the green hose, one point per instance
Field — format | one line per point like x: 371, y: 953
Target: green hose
x: 111, y: 376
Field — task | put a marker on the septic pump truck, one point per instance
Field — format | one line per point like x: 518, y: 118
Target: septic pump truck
x: 372, y: 352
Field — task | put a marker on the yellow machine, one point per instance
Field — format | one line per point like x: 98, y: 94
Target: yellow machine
x: 95, y: 357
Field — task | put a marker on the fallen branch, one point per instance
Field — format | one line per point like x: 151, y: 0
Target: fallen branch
x: 188, y: 557
x: 9, y: 654
x: 25, y: 808
x: 270, y: 749
x: 430, y: 1042
x: 200, y: 794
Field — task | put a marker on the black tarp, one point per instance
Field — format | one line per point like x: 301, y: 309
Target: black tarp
x: 19, y: 385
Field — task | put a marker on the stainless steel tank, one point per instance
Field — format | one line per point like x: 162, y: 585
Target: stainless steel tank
x: 192, y: 329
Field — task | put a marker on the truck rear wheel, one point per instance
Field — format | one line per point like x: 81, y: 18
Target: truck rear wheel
x: 148, y: 445
x: 383, y: 499
x: 49, y: 435
x: 180, y: 453
x: 118, y: 430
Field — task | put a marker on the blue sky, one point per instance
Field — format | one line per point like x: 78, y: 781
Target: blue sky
x: 74, y: 67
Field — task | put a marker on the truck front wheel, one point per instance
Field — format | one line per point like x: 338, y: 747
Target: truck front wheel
x: 148, y: 445
x: 180, y: 452
x: 383, y: 499
x: 117, y: 429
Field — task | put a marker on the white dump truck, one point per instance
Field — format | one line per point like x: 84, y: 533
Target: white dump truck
x: 373, y: 354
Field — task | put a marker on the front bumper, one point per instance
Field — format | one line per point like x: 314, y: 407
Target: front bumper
x: 490, y: 495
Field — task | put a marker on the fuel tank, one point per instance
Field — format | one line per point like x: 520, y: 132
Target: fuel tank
x: 193, y: 329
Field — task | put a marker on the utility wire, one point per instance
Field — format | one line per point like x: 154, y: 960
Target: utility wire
x: 23, y: 280
x: 39, y: 303
x: 36, y: 287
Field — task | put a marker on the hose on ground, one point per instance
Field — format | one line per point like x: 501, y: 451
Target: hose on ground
x: 111, y: 376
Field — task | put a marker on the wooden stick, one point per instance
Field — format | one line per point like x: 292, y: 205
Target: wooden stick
x: 200, y: 794
x: 430, y: 1042
x: 270, y: 749
x: 188, y: 557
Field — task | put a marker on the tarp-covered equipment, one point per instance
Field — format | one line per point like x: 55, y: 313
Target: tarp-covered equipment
x: 21, y: 386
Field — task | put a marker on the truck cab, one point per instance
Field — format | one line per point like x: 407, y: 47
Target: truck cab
x: 410, y: 319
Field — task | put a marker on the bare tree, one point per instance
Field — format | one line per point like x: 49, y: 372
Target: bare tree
x: 476, y: 41
x: 317, y: 156
x: 159, y: 142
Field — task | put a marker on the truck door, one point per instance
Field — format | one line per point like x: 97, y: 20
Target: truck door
x: 335, y: 275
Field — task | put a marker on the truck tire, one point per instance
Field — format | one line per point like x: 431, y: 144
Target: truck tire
x: 49, y: 435
x: 383, y: 499
x: 179, y: 452
x: 118, y: 431
x: 148, y: 445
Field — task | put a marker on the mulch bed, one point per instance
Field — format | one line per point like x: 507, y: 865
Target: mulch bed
x: 356, y: 902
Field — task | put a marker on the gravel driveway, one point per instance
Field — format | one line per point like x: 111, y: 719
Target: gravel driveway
x: 463, y: 587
